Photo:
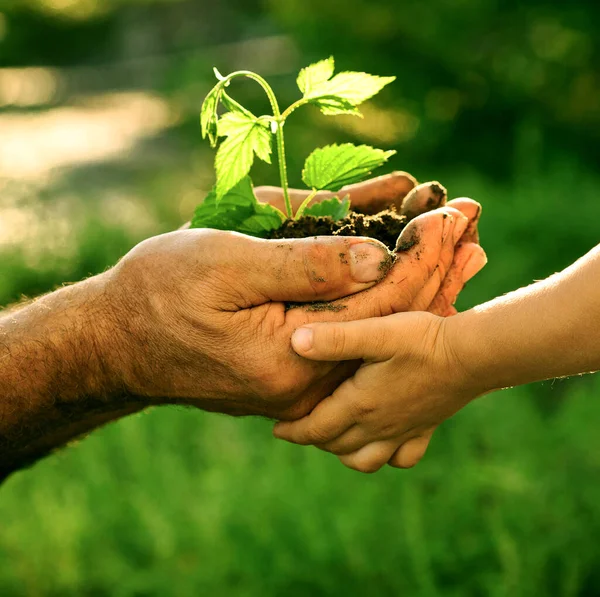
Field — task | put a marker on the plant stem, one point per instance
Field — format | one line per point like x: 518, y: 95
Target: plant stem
x: 305, y: 203
x: 279, y: 120
x: 293, y: 107
x: 283, y: 168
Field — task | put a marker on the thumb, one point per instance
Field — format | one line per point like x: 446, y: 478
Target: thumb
x: 320, y: 268
x: 361, y: 339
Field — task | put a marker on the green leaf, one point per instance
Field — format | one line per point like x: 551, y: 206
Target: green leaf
x: 246, y: 136
x: 238, y: 210
x: 335, y: 106
x: 335, y: 166
x: 209, y: 115
x: 353, y: 87
x: 315, y: 74
x: 342, y: 93
x: 333, y: 208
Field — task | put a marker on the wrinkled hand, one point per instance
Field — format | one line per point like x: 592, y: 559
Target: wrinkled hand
x: 409, y: 383
x: 199, y: 317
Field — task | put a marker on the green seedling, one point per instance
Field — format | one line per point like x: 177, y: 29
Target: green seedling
x: 231, y: 204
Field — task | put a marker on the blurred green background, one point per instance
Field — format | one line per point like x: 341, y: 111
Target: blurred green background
x: 100, y: 148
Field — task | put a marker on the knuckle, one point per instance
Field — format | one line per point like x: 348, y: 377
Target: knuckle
x: 316, y: 435
x: 316, y: 264
x: 363, y: 408
x: 334, y: 339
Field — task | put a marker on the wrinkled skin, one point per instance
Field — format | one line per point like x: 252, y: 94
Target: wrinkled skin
x: 207, y: 308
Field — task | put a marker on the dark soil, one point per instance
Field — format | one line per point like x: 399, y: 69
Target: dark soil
x: 385, y: 226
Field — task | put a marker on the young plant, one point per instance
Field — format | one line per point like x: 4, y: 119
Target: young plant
x: 232, y: 205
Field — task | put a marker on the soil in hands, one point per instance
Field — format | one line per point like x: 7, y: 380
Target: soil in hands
x: 385, y: 226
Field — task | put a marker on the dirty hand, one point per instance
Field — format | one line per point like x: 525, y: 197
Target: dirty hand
x: 401, y: 192
x: 199, y: 316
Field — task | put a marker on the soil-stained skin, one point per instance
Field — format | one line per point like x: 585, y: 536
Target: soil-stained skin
x: 385, y: 226
x: 424, y: 197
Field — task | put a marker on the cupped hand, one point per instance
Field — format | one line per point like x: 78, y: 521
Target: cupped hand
x: 199, y: 316
x: 400, y: 191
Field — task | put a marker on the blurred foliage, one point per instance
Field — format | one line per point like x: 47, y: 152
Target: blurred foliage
x: 469, y: 72
x: 499, y: 100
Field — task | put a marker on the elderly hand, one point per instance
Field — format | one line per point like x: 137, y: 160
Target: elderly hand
x: 199, y: 316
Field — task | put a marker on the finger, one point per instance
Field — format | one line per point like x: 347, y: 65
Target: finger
x: 342, y: 341
x: 426, y: 242
x: 431, y: 288
x: 329, y: 419
x: 472, y: 210
x: 423, y: 198
x: 309, y: 269
x: 469, y: 258
x: 348, y: 442
x: 370, y: 458
x: 379, y: 193
x: 370, y: 196
x: 411, y: 451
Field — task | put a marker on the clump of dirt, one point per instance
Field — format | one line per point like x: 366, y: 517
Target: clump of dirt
x: 385, y: 226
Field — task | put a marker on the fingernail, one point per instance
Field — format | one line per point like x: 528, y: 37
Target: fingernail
x: 368, y: 261
x: 302, y: 339
x: 448, y: 223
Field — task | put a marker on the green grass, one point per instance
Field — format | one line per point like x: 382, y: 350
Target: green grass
x: 179, y: 502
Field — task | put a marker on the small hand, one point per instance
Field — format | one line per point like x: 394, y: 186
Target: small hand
x: 409, y: 383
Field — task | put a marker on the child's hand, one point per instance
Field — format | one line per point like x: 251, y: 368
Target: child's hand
x: 409, y: 383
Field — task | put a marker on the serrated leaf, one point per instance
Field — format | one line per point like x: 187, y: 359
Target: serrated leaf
x: 238, y: 210
x: 246, y: 136
x: 353, y: 87
x: 333, y: 208
x: 208, y: 114
x: 346, y: 90
x: 315, y: 74
x: 335, y: 166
